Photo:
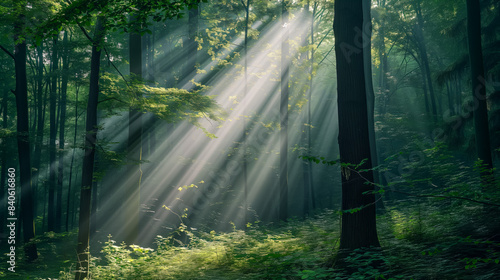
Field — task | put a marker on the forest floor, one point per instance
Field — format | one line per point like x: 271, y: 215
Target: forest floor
x: 435, y: 240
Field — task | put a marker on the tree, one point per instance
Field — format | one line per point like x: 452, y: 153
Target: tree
x: 283, y: 184
x: 62, y: 127
x: 52, y: 139
x: 134, y: 145
x: 358, y: 206
x: 89, y: 155
x: 23, y: 139
x: 480, y: 114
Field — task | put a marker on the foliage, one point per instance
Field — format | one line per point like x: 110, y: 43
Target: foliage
x: 303, y: 249
x: 169, y: 104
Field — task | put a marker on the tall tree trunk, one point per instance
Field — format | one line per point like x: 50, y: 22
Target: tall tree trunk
x: 23, y: 139
x: 37, y: 154
x: 88, y: 158
x: 62, y: 125
x: 309, y: 119
x: 370, y: 95
x: 189, y: 71
x: 68, y: 198
x: 283, y: 184
x: 359, y: 227
x: 425, y: 61
x: 244, y: 148
x: 4, y: 151
x: 480, y: 114
x: 52, y: 226
x: 306, y: 175
x: 134, y: 146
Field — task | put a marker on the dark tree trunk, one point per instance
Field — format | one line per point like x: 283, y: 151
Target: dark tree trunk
x: 37, y: 154
x: 52, y: 226
x: 309, y: 119
x: 88, y: 158
x: 425, y: 61
x: 358, y: 228
x: 306, y: 171
x: 68, y: 198
x: 244, y: 132
x: 134, y: 146
x: 370, y: 94
x: 62, y: 124
x: 4, y: 150
x: 189, y: 71
x: 480, y: 113
x: 23, y: 139
x: 283, y: 184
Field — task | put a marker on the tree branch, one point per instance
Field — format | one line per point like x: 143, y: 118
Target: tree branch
x: 7, y: 51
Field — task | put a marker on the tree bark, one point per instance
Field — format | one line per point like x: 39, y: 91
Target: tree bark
x: 52, y: 140
x: 283, y: 197
x: 134, y: 147
x: 23, y: 139
x: 37, y: 154
x: 358, y: 227
x: 189, y: 71
x: 425, y: 61
x: 62, y: 125
x: 480, y: 113
x: 89, y: 155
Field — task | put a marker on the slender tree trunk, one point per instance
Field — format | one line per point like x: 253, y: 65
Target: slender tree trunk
x: 425, y: 61
x: 23, y: 139
x: 62, y: 125
x: 68, y: 198
x: 359, y: 227
x: 244, y: 148
x: 449, y: 91
x: 189, y: 71
x: 52, y: 224
x: 283, y: 197
x: 306, y: 175
x: 134, y: 147
x: 88, y: 158
x: 5, y: 144
x: 370, y: 94
x: 309, y: 119
x: 480, y: 114
x: 37, y: 154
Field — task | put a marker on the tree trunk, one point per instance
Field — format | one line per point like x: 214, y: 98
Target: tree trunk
x: 52, y: 140
x: 189, y: 71
x: 283, y: 197
x: 4, y: 145
x: 425, y: 60
x: 62, y: 124
x: 244, y: 132
x: 23, y: 139
x: 370, y: 95
x: 68, y: 198
x: 359, y: 226
x: 88, y: 158
x: 134, y: 146
x: 480, y: 113
x: 37, y: 154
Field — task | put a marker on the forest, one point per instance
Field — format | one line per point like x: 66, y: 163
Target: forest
x: 249, y: 139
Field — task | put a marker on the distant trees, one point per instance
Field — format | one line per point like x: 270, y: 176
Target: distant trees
x: 358, y: 200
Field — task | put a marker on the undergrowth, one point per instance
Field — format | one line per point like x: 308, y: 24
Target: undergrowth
x: 430, y: 241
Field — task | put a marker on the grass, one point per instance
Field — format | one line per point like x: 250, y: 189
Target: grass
x: 431, y: 241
